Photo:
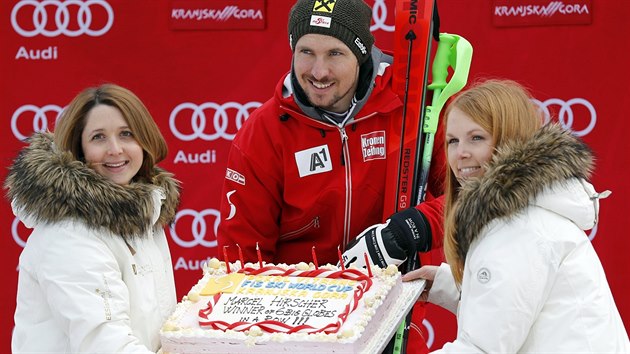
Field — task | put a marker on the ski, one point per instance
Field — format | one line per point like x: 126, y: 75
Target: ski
x: 412, y: 52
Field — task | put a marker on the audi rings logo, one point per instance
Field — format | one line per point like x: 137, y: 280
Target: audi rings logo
x: 66, y: 21
x: 576, y: 114
x: 593, y: 232
x: 21, y: 241
x: 196, y: 227
x: 39, y: 116
x: 379, y: 16
x: 430, y: 332
x: 189, y: 121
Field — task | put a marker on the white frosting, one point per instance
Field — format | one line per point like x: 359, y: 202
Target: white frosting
x: 181, y: 332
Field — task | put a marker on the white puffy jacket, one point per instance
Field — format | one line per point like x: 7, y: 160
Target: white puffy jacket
x: 532, y: 282
x: 96, y: 274
x: 86, y: 291
x: 542, y: 291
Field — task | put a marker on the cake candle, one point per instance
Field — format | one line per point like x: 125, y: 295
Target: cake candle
x: 240, y: 256
x: 314, y: 258
x: 367, y: 264
x: 260, y: 262
x: 343, y: 267
x: 225, y: 258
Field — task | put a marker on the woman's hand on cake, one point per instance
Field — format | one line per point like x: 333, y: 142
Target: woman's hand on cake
x: 427, y: 273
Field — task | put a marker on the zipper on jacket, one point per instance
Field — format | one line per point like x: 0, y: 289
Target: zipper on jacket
x: 344, y: 140
x: 133, y: 253
x: 345, y: 161
x: 312, y: 224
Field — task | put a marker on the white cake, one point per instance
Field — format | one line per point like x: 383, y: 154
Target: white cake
x: 280, y: 308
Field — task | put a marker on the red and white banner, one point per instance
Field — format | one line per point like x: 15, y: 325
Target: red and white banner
x: 201, y: 81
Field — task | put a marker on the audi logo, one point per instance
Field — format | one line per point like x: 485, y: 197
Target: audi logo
x: 379, y: 16
x: 40, y: 119
x: 580, y: 126
x: 62, y: 23
x: 195, y: 117
x: 430, y: 332
x: 593, y: 232
x: 198, y: 227
x: 21, y: 241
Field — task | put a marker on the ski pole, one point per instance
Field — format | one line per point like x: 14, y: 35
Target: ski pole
x: 456, y: 52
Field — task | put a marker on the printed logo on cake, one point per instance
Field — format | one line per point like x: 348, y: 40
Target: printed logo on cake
x: 373, y: 145
x: 513, y: 13
x: 225, y: 284
x: 313, y: 161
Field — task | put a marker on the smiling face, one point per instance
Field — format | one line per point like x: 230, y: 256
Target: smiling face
x: 109, y: 146
x: 469, y: 145
x: 327, y: 71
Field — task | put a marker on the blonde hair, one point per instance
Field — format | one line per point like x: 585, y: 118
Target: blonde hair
x: 68, y: 129
x: 503, y: 108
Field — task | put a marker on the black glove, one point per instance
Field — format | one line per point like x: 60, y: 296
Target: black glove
x: 400, y: 237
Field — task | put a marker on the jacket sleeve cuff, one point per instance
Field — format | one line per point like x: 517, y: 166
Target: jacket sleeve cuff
x: 444, y: 291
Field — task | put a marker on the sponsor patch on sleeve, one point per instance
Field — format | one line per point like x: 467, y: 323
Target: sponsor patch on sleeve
x: 234, y: 176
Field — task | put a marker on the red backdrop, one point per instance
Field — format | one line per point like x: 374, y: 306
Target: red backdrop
x: 201, y: 82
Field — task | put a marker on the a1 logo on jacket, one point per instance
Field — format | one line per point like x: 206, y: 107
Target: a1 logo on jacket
x: 314, y: 160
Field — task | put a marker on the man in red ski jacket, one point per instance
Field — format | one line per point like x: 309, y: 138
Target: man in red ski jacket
x: 307, y: 168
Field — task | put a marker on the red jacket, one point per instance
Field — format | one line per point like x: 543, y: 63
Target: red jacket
x: 292, y: 184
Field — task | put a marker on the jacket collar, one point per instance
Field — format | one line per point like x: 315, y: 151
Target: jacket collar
x: 47, y: 185
x: 516, y: 176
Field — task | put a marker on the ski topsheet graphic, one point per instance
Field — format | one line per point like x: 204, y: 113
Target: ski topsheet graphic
x: 412, y: 52
x: 412, y: 49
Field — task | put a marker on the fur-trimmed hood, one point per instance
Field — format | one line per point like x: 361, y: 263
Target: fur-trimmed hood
x: 47, y: 185
x: 516, y: 176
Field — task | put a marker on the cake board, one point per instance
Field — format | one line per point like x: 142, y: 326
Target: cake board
x: 410, y: 294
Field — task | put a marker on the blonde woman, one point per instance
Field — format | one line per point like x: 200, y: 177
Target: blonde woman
x: 522, y: 275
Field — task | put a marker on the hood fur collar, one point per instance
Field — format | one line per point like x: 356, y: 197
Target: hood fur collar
x: 50, y: 186
x: 517, y: 173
